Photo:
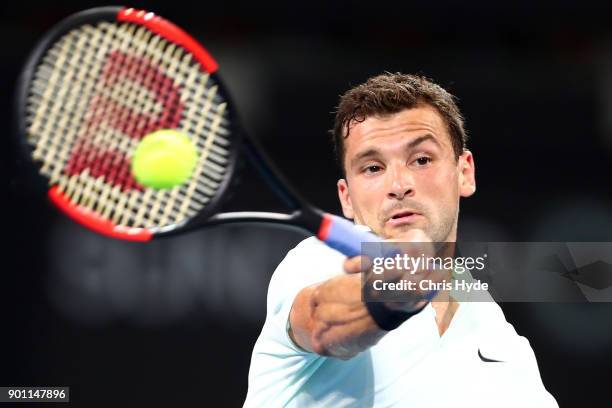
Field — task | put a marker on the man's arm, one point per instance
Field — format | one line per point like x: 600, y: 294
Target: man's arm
x: 331, y: 319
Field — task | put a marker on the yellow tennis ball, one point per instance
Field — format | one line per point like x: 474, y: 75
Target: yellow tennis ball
x: 164, y: 159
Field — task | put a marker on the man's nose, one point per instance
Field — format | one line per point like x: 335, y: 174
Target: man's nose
x: 401, y: 183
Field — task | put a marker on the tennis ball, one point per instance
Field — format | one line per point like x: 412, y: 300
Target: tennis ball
x: 164, y: 159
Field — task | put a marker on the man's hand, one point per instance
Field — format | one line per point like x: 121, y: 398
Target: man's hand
x: 331, y: 319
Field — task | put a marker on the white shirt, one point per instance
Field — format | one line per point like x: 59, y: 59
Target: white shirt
x: 411, y: 366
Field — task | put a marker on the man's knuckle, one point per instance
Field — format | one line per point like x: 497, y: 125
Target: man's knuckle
x: 319, y: 347
x: 316, y: 297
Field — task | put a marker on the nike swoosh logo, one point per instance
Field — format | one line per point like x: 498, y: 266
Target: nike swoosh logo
x: 487, y: 360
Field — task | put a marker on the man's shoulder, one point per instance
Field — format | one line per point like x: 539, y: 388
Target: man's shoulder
x: 495, y: 332
x: 312, y: 250
x: 309, y: 262
x: 486, y: 314
x: 308, y: 259
x: 309, y: 242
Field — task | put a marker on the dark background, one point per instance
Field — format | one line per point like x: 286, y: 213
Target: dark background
x: 173, y: 323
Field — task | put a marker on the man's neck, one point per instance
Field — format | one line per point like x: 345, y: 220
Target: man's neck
x: 445, y: 307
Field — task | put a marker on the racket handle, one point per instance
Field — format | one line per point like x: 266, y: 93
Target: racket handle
x: 342, y: 235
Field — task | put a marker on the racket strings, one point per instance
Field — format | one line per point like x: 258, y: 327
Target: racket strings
x: 97, y: 92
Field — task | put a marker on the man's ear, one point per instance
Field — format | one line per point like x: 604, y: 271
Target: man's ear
x: 467, y: 174
x: 345, y: 199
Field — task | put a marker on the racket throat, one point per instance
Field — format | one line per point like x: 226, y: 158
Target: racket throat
x: 313, y: 220
x: 270, y: 174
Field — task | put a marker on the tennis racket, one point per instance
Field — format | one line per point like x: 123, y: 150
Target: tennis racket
x: 102, y: 79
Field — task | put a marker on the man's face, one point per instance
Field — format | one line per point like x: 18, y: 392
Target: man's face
x: 402, y: 175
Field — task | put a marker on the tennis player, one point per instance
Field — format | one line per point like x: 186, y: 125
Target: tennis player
x: 402, y: 145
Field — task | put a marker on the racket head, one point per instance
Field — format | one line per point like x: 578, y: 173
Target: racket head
x: 98, y: 82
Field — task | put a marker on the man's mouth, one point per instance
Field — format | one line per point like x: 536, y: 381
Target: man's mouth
x: 403, y: 217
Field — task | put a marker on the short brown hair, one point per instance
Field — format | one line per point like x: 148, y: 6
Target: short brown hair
x: 389, y: 93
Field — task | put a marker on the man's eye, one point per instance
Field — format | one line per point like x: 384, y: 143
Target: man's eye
x: 372, y: 169
x: 422, y: 161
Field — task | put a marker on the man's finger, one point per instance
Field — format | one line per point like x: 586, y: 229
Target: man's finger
x: 356, y: 264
